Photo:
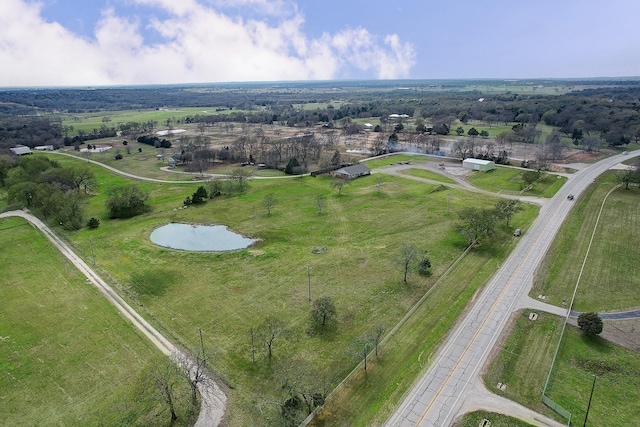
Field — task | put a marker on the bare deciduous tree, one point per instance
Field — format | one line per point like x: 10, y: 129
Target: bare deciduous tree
x: 269, y: 330
x: 268, y: 202
x: 320, y: 203
x: 408, y: 254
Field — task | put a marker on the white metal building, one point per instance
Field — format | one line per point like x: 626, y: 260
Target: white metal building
x: 478, y: 165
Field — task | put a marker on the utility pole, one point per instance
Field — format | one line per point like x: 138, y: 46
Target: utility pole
x: 448, y: 199
x: 589, y: 405
x: 309, y: 279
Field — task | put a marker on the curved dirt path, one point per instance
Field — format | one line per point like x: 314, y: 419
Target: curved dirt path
x: 213, y: 398
x: 166, y: 169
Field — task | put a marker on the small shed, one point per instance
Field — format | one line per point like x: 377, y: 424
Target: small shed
x: 21, y: 150
x: 44, y: 148
x: 478, y: 165
x: 352, y: 172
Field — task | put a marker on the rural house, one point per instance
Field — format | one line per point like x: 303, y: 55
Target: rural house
x: 352, y: 172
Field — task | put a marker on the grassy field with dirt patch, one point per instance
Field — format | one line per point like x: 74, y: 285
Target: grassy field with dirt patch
x: 509, y: 180
x: 227, y: 294
x: 524, y: 359
x: 427, y: 174
x: 66, y: 356
x: 611, y: 278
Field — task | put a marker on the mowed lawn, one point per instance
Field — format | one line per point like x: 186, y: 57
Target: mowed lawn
x: 523, y: 365
x: 427, y: 174
x: 611, y: 277
x: 66, y: 356
x: 357, y: 236
x: 509, y: 180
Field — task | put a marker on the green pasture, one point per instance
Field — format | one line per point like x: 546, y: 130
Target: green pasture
x: 427, y: 174
x: 87, y: 122
x: 66, y: 356
x: 610, y: 281
x: 369, y: 399
x: 496, y: 129
x: 525, y: 357
x: 226, y: 294
x: 145, y: 164
x: 475, y: 419
x: 392, y: 159
x: 509, y: 180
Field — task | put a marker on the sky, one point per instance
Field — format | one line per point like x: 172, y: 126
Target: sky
x: 133, y: 42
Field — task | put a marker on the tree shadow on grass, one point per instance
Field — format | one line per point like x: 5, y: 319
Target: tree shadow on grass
x: 153, y: 282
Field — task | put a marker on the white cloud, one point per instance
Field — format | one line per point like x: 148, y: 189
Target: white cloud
x: 199, y: 44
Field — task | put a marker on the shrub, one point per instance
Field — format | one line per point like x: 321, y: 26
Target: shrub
x: 293, y: 167
x: 93, y: 223
x: 126, y: 201
x: 200, y: 195
x: 424, y: 266
x: 590, y: 323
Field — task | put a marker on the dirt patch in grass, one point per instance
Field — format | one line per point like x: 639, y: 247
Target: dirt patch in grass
x: 625, y: 333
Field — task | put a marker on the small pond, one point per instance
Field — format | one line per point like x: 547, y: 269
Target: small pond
x: 199, y: 238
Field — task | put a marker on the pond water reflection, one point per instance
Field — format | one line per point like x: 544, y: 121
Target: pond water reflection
x: 199, y: 238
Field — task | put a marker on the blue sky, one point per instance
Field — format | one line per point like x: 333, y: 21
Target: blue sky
x: 113, y: 42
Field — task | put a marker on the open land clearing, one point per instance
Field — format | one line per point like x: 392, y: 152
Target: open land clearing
x: 66, y: 356
x: 228, y: 294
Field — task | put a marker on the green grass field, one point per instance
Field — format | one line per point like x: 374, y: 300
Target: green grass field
x: 496, y: 129
x: 87, y: 122
x: 66, y: 356
x: 391, y: 159
x: 524, y: 360
x: 146, y: 164
x: 426, y: 174
x: 368, y: 399
x: 509, y: 180
x: 227, y: 294
x: 611, y: 280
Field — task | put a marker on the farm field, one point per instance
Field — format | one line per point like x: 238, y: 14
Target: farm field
x: 357, y: 237
x: 87, y: 122
x: 611, y: 279
x: 523, y: 362
x: 66, y: 356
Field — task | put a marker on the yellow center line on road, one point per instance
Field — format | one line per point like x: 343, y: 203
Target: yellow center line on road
x: 491, y: 310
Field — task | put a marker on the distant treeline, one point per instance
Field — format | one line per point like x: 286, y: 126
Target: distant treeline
x: 609, y: 110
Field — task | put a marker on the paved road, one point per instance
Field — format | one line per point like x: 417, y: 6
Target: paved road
x: 213, y: 398
x: 440, y: 394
